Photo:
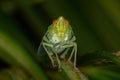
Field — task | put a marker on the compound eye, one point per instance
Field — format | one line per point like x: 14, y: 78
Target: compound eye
x: 67, y: 22
x: 54, y: 22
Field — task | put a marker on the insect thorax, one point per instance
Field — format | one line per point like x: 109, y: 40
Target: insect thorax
x: 55, y: 38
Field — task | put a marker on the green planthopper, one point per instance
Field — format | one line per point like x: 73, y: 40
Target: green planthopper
x: 59, y: 41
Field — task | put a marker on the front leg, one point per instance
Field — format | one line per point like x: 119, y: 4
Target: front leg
x: 56, y: 47
x: 74, y: 50
x: 75, y: 53
x: 49, y: 54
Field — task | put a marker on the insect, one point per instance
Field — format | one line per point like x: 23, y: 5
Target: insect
x: 58, y: 40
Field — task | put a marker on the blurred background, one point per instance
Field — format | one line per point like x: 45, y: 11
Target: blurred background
x: 96, y: 24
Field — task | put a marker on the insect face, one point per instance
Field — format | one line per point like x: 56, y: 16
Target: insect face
x: 60, y: 29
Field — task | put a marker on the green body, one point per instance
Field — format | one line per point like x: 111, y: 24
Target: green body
x: 59, y: 31
x: 58, y: 40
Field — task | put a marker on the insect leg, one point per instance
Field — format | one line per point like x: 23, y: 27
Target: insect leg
x: 65, y: 53
x: 74, y: 50
x: 70, y: 57
x: 59, y: 65
x: 49, y: 45
x: 75, y: 53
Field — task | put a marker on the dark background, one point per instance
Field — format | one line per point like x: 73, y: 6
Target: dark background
x: 96, y: 23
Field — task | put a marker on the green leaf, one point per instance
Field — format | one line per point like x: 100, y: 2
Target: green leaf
x: 86, y: 58
x: 14, y: 50
x: 71, y: 72
x: 14, y: 74
x: 102, y: 72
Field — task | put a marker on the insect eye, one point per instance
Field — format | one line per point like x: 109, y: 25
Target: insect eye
x: 67, y: 22
x: 54, y: 21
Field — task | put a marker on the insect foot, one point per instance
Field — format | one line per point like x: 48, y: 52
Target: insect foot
x: 56, y: 63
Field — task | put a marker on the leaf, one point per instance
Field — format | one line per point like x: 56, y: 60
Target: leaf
x: 72, y: 72
x: 102, y: 72
x: 14, y: 74
x: 86, y: 58
x: 20, y: 56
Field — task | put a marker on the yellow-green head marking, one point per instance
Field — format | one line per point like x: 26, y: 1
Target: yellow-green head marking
x: 60, y: 29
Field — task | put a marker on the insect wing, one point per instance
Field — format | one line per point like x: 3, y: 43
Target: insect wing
x: 41, y: 49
